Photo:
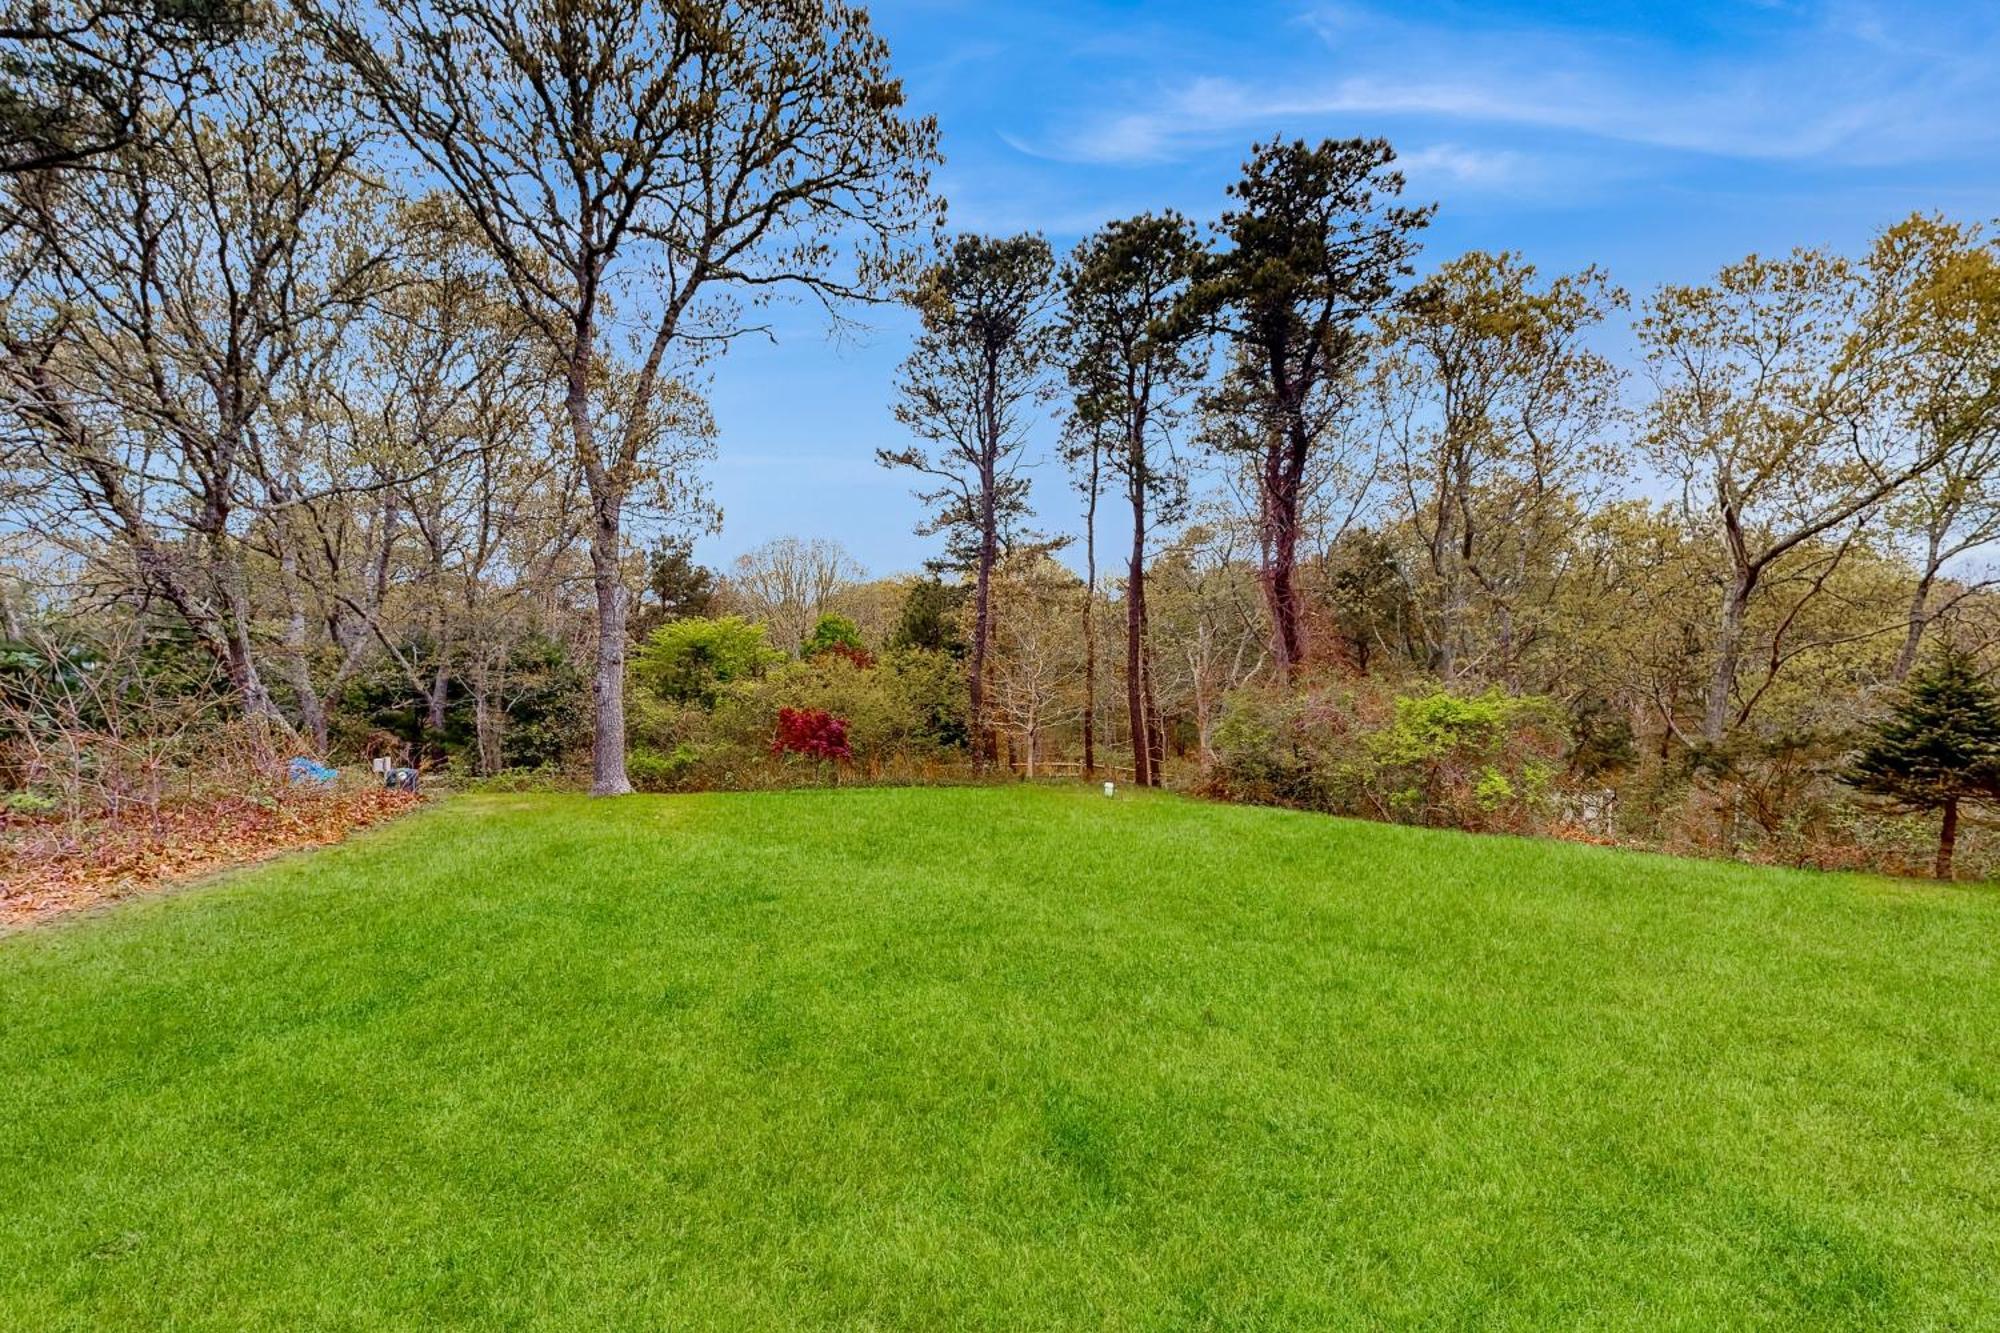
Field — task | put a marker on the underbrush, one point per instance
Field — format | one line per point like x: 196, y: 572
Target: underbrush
x: 1419, y: 753
x: 903, y: 719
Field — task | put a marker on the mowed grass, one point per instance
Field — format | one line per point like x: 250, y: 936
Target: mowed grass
x: 999, y: 1058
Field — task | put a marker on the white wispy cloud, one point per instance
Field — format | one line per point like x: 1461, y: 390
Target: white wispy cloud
x: 1844, y: 85
x: 1461, y: 165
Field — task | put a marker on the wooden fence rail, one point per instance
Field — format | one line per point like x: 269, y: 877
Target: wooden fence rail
x: 1073, y: 768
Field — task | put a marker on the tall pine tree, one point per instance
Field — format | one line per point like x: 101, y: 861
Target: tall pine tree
x: 1939, y: 747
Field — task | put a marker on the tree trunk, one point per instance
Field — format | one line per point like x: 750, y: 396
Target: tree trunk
x: 1089, y: 634
x: 1156, y: 734
x: 312, y: 716
x: 1947, y: 838
x: 1913, y: 637
x: 982, y: 628
x: 1450, y: 598
x: 1715, y: 707
x: 486, y: 735
x: 240, y: 661
x: 312, y: 710
x: 1728, y: 652
x: 607, y: 681
x: 989, y: 554
x: 1284, y: 467
x: 1201, y: 676
x: 435, y: 699
x: 1287, y: 640
x: 1135, y: 638
x: 1509, y: 669
x: 607, y: 494
x: 244, y: 677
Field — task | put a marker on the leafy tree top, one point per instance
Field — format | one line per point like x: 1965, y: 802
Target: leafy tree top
x: 80, y: 79
x: 1314, y: 246
x: 977, y: 366
x: 840, y: 637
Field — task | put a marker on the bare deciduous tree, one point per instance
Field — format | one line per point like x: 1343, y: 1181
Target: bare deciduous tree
x: 185, y: 283
x: 1038, y: 678
x: 630, y: 164
x: 788, y: 584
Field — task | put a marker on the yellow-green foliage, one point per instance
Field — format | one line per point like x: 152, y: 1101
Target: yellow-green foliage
x: 1467, y: 761
x: 689, y: 660
x: 1429, y: 757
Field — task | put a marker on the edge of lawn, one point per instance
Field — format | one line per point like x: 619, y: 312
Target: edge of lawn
x: 130, y: 904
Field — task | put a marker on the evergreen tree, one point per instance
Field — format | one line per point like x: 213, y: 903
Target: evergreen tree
x: 966, y: 391
x: 929, y: 618
x: 1132, y: 357
x: 1313, y: 250
x: 680, y: 585
x: 1938, y: 747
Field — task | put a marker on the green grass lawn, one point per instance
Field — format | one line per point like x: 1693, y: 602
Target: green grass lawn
x: 1021, y: 1058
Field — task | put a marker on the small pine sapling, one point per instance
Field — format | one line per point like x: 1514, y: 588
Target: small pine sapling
x: 1938, y: 747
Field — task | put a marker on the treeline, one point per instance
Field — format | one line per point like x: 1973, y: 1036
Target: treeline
x: 1445, y: 558
x: 353, y: 397
x: 342, y: 357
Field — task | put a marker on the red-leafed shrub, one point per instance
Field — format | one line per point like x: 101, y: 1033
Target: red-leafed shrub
x: 860, y: 657
x: 812, y: 732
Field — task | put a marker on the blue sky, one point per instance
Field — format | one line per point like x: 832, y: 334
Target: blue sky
x: 1659, y: 140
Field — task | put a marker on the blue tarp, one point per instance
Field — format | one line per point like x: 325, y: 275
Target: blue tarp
x: 307, y: 769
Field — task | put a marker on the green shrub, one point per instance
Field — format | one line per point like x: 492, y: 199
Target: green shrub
x: 650, y: 770
x: 909, y: 706
x: 1266, y: 752
x: 691, y: 660
x: 1434, y: 757
x: 29, y: 803
x: 929, y: 619
x: 905, y: 715
x: 1465, y: 761
x: 548, y: 708
x: 930, y: 692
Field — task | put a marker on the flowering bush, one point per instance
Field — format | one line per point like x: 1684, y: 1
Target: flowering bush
x: 812, y: 732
